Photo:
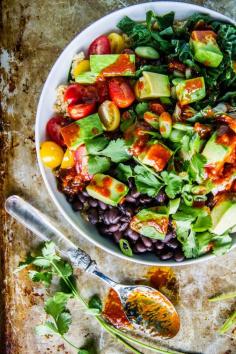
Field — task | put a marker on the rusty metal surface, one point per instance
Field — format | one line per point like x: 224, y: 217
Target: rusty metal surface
x: 33, y: 33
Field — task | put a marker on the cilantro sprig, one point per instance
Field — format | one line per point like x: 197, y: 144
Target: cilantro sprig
x: 48, y: 264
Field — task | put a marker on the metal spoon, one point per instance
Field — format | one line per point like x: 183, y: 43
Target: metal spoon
x: 146, y: 308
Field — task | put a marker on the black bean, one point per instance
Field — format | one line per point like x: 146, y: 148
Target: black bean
x: 123, y: 226
x: 168, y: 236
x: 166, y: 256
x: 85, y: 193
x: 147, y: 242
x: 133, y: 235
x: 129, y: 212
x: 113, y: 227
x: 150, y: 248
x: 154, y: 240
x: 82, y: 198
x: 93, y: 202
x: 145, y: 199
x: 117, y: 236
x: 140, y: 247
x: 77, y: 205
x: 172, y: 244
x: 70, y: 198
x: 125, y: 219
x: 111, y: 216
x: 93, y: 216
x: 159, y: 245
x: 161, y: 197
x: 102, y: 205
x: 134, y: 193
x: 103, y: 229
x: 179, y: 256
x: 130, y: 199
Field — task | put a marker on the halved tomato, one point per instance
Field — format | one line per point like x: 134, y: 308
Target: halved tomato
x: 81, y: 163
x: 73, y: 93
x: 102, y: 91
x: 121, y: 92
x: 81, y: 110
x: 53, y: 129
x: 100, y: 45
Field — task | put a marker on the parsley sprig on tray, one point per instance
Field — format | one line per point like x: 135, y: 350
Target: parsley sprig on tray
x: 49, y: 264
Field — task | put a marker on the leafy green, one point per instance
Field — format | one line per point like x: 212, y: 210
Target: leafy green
x: 124, y: 172
x: 160, y: 69
x: 44, y: 277
x: 145, y: 182
x: 222, y: 244
x: 138, y: 32
x: 173, y: 183
x: 97, y: 164
x: 95, y: 305
x: 117, y: 151
x: 95, y: 145
x: 127, y: 119
x: 196, y: 168
x: 202, y: 223
x: 141, y: 108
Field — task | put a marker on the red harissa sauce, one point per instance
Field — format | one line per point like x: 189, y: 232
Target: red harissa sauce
x: 121, y: 66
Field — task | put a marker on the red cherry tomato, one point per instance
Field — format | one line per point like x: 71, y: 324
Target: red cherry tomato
x: 102, y: 91
x: 121, y: 92
x: 100, y: 45
x: 53, y: 129
x: 81, y: 110
x: 81, y: 163
x: 73, y: 93
x: 89, y: 94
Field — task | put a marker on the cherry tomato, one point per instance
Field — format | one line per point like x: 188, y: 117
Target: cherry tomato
x: 81, y: 163
x: 51, y: 154
x: 73, y: 93
x: 68, y: 159
x: 100, y: 45
x: 89, y: 94
x: 109, y: 115
x: 53, y: 129
x: 117, y: 42
x: 121, y: 92
x: 80, y: 110
x: 156, y: 107
x: 102, y: 91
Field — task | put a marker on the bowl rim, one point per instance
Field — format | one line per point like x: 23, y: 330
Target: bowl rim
x: 117, y: 253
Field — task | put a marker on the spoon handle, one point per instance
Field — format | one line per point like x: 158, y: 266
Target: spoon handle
x: 45, y: 229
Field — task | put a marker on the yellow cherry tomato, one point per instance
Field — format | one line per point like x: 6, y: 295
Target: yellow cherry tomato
x: 109, y: 115
x: 51, y: 154
x: 68, y: 159
x: 117, y: 42
x: 81, y: 67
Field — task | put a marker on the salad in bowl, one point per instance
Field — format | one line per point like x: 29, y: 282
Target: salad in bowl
x: 143, y: 139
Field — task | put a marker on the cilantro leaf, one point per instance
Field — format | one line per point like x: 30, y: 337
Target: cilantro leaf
x: 97, y: 164
x: 196, y: 168
x: 49, y: 250
x: 47, y: 328
x: 141, y: 108
x: 95, y: 145
x: 146, y: 182
x: 64, y: 268
x: 45, y: 277
x: 173, y: 183
x: 41, y: 262
x: 55, y: 305
x: 117, y: 150
x: 128, y: 118
x: 222, y: 244
x: 124, y: 172
x: 202, y: 223
x: 95, y: 304
x: 63, y: 322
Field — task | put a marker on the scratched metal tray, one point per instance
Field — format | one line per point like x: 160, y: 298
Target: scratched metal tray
x: 33, y: 35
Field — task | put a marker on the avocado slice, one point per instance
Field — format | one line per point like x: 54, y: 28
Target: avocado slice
x: 192, y: 90
x: 215, y: 153
x: 107, y: 189
x: 205, y: 48
x: 81, y: 130
x: 223, y: 216
x: 152, y: 222
x: 87, y: 78
x: 155, y: 155
x: 113, y: 64
x: 152, y: 85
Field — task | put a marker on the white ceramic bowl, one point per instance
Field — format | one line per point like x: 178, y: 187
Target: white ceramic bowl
x: 58, y: 75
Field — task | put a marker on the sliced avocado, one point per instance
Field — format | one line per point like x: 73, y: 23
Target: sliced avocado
x: 81, y: 130
x: 205, y: 48
x: 152, y: 119
x: 152, y: 85
x: 113, y: 64
x: 155, y: 155
x: 87, y: 78
x: 152, y: 222
x: 204, y: 242
x: 223, y: 216
x: 191, y: 90
x: 215, y: 152
x: 107, y: 189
